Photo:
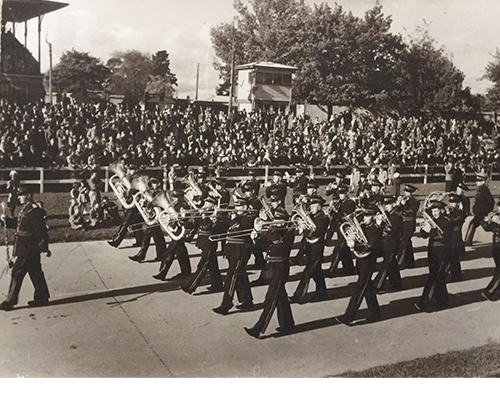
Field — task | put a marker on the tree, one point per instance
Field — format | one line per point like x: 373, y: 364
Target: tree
x: 78, y: 72
x: 162, y: 79
x: 492, y: 73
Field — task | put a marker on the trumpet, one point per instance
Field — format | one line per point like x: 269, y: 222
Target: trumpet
x: 383, y: 215
x: 120, y: 183
x: 353, y: 232
x: 493, y: 216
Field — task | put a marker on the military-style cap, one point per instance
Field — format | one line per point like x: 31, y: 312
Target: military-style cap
x: 202, y: 170
x: 389, y: 199
x: 376, y: 183
x: 131, y: 166
x: 240, y: 201
x: 370, y: 211
x: 410, y: 188
x: 463, y: 186
x: 481, y: 177
x: 275, y: 198
x: 342, y: 189
x: 280, y: 214
x: 251, y: 172
x: 22, y: 191
x: 437, y: 204
x: 153, y: 182
x: 220, y: 180
x: 454, y: 198
x: 300, y: 169
x: 317, y: 200
x: 277, y: 173
x: 312, y: 184
x: 247, y: 188
x: 211, y: 200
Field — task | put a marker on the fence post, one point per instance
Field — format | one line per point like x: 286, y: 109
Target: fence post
x: 106, y: 179
x: 426, y: 167
x: 165, y: 178
x: 42, y: 179
x: 311, y: 171
x: 266, y: 175
x: 172, y: 179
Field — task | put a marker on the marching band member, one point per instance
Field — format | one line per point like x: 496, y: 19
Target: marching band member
x: 408, y: 207
x: 365, y: 265
x: 154, y: 232
x: 483, y: 204
x: 492, y: 224
x: 177, y: 248
x: 237, y: 252
x: 341, y: 252
x: 279, y: 238
x: 461, y: 189
x: 457, y: 217
x: 277, y: 187
x: 30, y: 241
x: 391, y: 233
x: 439, y: 231
x: 298, y: 183
x: 208, y: 260
x: 314, y: 249
x: 132, y: 216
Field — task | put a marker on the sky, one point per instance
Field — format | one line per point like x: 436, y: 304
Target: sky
x: 469, y: 31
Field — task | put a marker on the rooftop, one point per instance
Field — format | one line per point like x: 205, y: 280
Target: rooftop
x: 268, y: 65
x: 23, y: 10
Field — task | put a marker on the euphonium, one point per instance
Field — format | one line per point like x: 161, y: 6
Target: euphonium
x: 143, y: 198
x: 192, y: 190
x: 168, y: 218
x: 302, y: 218
x: 120, y: 184
x: 352, y: 231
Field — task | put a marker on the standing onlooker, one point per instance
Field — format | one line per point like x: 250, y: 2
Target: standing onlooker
x: 13, y: 186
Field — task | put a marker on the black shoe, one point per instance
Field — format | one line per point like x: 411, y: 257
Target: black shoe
x: 136, y: 258
x: 487, y: 296
x: 285, y: 329
x: 319, y: 296
x: 245, y: 306
x: 259, y: 281
x: 5, y: 306
x: 215, y: 289
x: 419, y: 307
x: 159, y: 277
x: 113, y: 243
x: 187, y: 289
x: 157, y: 259
x: 179, y: 277
x: 38, y: 303
x: 294, y: 299
x: 252, y: 332
x: 395, y: 288
x: 136, y: 244
x: 374, y: 318
x: 341, y: 319
x: 222, y: 310
x: 348, y: 272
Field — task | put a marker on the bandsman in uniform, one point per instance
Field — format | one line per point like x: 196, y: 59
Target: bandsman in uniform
x: 483, y: 204
x: 464, y: 200
x: 408, y: 207
x: 391, y: 233
x: 298, y: 183
x: 279, y: 238
x: 492, y: 224
x: 30, y: 241
x: 314, y: 247
x: 277, y: 187
x: 366, y: 258
x: 435, y: 294
x: 457, y: 217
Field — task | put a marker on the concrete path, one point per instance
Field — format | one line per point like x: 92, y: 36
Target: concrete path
x: 110, y: 318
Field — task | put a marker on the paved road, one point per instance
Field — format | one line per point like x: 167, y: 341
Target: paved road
x: 110, y: 318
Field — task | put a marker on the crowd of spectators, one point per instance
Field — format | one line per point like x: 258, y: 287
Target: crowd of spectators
x: 84, y: 136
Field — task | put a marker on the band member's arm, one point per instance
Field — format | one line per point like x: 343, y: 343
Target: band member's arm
x: 321, y: 227
x: 40, y: 229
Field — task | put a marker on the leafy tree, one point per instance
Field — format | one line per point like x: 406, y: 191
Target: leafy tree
x: 492, y: 73
x: 79, y: 72
x: 162, y: 79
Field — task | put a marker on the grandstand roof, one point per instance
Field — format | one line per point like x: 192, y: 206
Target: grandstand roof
x: 24, y: 10
x: 270, y: 65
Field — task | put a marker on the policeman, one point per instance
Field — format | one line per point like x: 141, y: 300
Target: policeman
x: 492, y: 224
x: 408, y: 207
x: 279, y: 238
x: 365, y: 265
x: 30, y: 241
x: 391, y: 233
x: 314, y: 250
x: 208, y: 260
x: 483, y: 204
x: 457, y: 217
x: 435, y: 294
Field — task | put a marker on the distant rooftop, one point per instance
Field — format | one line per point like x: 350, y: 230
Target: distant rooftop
x: 23, y: 10
x: 268, y: 65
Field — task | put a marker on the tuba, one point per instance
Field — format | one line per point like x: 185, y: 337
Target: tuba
x: 168, y: 218
x: 352, y: 231
x: 192, y: 190
x: 302, y: 218
x: 143, y: 198
x: 121, y: 185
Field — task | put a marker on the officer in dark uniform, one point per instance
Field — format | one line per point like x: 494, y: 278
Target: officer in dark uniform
x: 314, y: 248
x: 208, y: 260
x: 408, y: 207
x: 279, y: 238
x: 30, y: 241
x: 152, y: 232
x: 457, y: 217
x: 391, y: 233
x: 483, y: 204
x: 237, y: 252
x: 435, y: 294
x: 492, y: 224
x: 277, y: 187
x: 365, y: 266
x: 341, y: 252
x: 461, y: 189
x: 132, y: 216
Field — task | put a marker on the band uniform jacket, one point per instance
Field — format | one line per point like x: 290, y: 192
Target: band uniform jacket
x: 457, y: 218
x: 277, y: 189
x: 465, y: 204
x: 205, y: 229
x: 391, y: 235
x: 31, y: 232
x: 347, y: 206
x: 373, y: 235
x: 484, y: 202
x: 299, y: 186
x: 409, y: 211
x: 237, y: 246
x: 317, y: 236
x: 439, y: 244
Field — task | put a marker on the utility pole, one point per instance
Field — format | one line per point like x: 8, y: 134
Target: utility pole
x: 231, y: 79
x: 50, y: 71
x: 197, y: 80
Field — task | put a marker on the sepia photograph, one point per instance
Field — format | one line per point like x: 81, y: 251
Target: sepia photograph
x: 249, y: 189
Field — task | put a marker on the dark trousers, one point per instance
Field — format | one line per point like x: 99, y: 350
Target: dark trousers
x: 28, y: 265
x: 405, y: 256
x: 237, y: 281
x: 389, y: 269
x: 435, y: 293
x: 473, y: 225
x: 341, y: 253
x: 175, y: 249
x: 258, y: 252
x: 363, y: 289
x: 276, y: 298
x: 493, y: 288
x: 455, y: 265
x: 132, y: 217
x: 208, y: 262
x: 314, y: 255
x: 157, y: 235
